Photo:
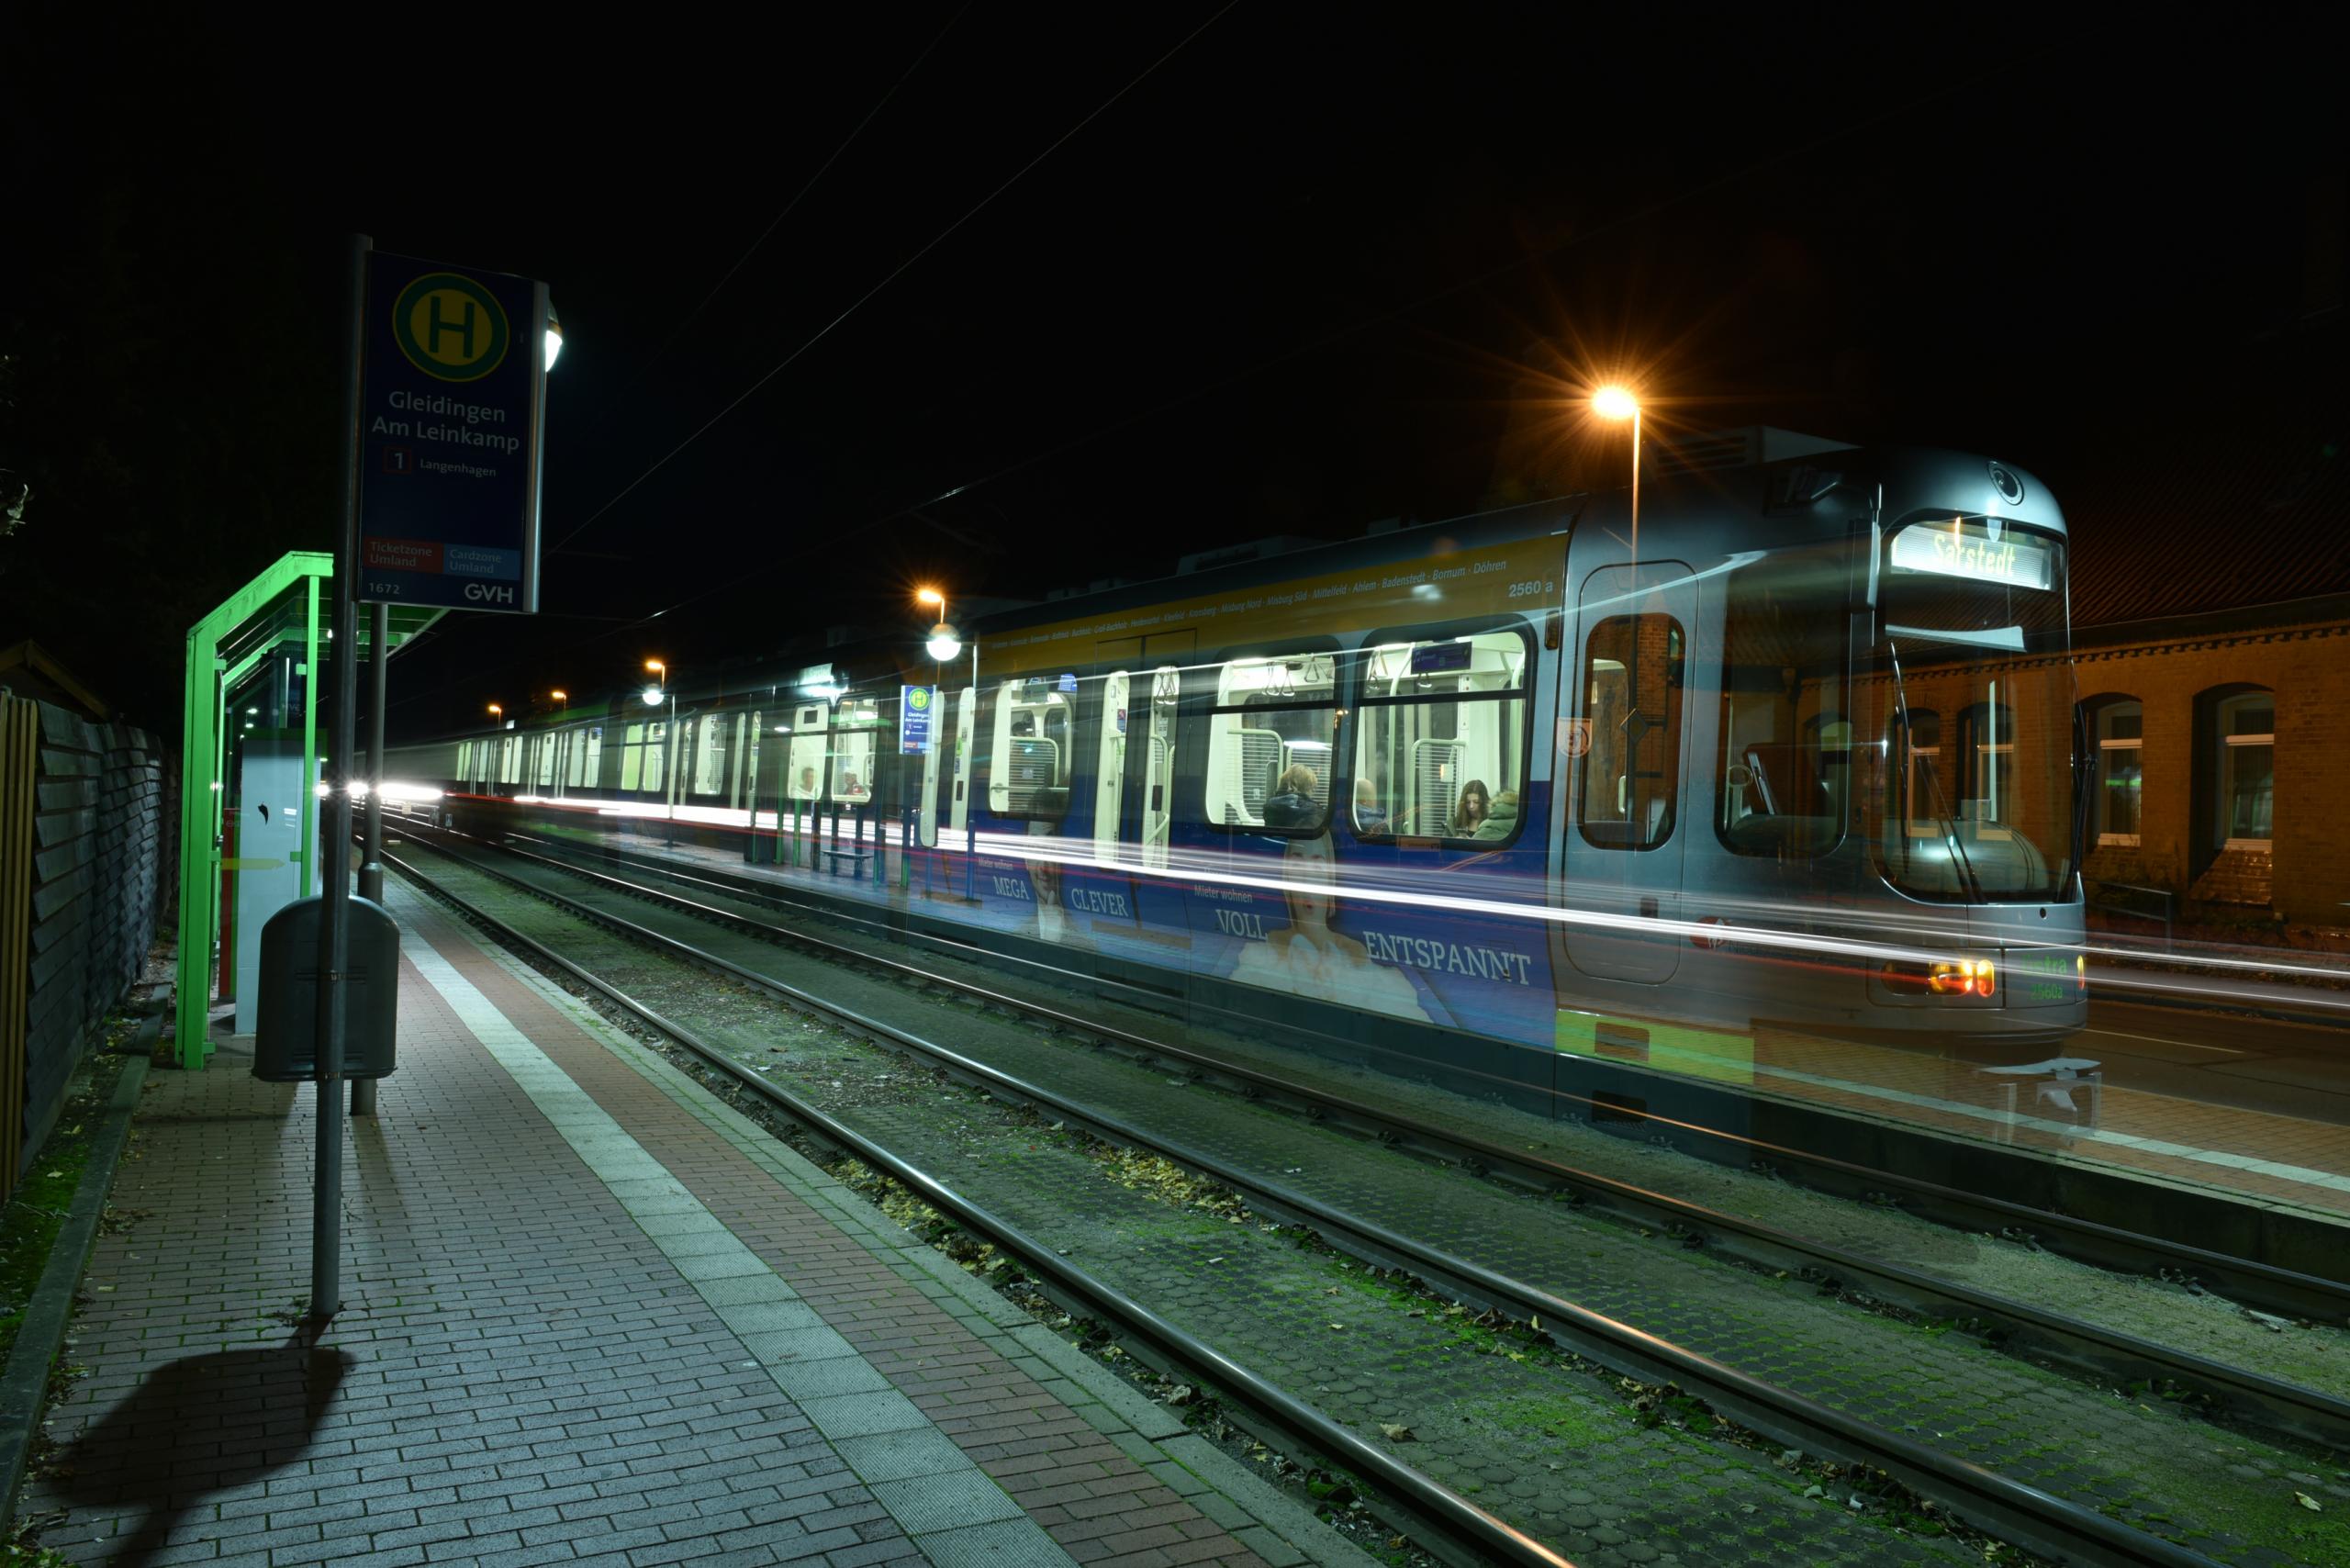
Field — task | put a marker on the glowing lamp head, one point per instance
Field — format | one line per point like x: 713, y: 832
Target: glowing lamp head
x: 555, y: 336
x: 929, y: 596
x: 653, y: 696
x: 656, y: 667
x: 943, y: 643
x: 1614, y: 402
x: 495, y: 710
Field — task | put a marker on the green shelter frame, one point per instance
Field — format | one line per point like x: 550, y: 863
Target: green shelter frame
x: 288, y: 609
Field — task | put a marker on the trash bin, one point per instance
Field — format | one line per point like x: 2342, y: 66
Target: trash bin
x: 286, y: 1032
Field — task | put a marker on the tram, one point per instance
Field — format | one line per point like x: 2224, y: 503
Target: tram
x: 1795, y: 745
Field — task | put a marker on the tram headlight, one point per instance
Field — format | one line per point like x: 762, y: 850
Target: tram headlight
x: 1951, y: 977
x: 1964, y: 977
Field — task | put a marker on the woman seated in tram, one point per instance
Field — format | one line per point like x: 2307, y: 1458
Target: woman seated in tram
x: 1476, y: 805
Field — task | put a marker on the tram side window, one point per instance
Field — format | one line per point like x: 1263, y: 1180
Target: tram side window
x: 1033, y: 749
x: 856, y: 721
x: 1440, y: 739
x: 548, y: 745
x: 642, y: 753
x: 1782, y: 784
x: 1269, y: 744
x: 577, y: 769
x: 1628, y: 778
x: 510, y: 769
x: 803, y: 779
x: 465, y: 761
x: 710, y: 735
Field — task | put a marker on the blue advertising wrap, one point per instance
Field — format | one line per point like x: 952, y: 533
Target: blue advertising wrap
x: 452, y: 394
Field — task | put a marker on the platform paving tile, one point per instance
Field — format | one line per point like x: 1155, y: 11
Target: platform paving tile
x: 578, y: 1298
x: 856, y: 1276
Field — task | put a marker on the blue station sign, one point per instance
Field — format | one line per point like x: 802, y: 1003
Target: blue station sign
x: 452, y: 399
x: 914, y: 705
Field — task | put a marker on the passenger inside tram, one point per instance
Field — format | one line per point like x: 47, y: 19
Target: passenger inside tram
x: 1470, y: 814
x: 1501, y: 821
x: 1291, y: 803
x: 1371, y: 817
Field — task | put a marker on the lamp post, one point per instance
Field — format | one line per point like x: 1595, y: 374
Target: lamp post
x: 653, y: 698
x: 943, y: 648
x: 1616, y: 402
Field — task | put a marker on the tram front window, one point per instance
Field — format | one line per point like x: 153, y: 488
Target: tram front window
x: 1975, y: 799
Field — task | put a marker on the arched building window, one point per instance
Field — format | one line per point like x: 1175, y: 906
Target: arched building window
x: 2117, y: 728
x: 2244, y: 769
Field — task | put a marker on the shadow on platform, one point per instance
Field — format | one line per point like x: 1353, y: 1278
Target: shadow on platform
x: 244, y: 1415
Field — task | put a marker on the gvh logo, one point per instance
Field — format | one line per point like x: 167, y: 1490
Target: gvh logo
x: 490, y: 593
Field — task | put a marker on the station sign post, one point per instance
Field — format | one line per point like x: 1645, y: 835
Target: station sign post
x: 444, y: 397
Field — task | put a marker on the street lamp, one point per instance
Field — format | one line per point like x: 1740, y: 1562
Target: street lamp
x: 495, y: 712
x: 554, y: 335
x: 653, y: 696
x: 943, y: 646
x: 560, y: 695
x: 1614, y: 402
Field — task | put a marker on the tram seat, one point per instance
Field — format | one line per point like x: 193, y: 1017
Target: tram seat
x: 1766, y: 835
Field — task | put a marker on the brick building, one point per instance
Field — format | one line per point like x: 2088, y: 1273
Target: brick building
x: 2211, y: 637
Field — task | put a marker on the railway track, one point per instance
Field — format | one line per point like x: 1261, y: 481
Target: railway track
x: 2252, y: 1284
x: 2087, y: 1347
x: 2015, y: 1510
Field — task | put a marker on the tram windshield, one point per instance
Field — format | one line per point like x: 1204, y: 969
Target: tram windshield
x: 1976, y: 702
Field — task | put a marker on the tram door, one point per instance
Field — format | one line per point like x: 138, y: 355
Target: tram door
x: 967, y: 715
x: 1110, y: 781
x: 933, y: 744
x: 1625, y: 729
x: 1147, y: 731
x: 1158, y: 767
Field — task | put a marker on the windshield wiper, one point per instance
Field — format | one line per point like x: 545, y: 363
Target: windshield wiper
x: 1941, y: 805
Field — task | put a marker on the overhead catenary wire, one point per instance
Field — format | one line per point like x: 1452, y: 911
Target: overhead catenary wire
x: 826, y: 330
x: 1627, y: 219
x: 895, y: 272
x: 1527, y: 258
x: 777, y: 221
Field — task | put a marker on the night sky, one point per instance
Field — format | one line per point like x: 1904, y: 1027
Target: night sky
x: 1291, y: 280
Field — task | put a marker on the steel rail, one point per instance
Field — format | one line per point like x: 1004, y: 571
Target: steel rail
x: 1471, y: 1532
x: 2092, y: 1242
x: 2269, y: 1404
x: 2025, y: 1515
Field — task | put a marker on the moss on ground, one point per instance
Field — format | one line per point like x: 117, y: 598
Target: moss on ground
x: 36, y: 1211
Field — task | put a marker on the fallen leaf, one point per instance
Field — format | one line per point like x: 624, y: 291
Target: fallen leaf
x: 1337, y: 1328
x: 2306, y: 1501
x: 1396, y: 1432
